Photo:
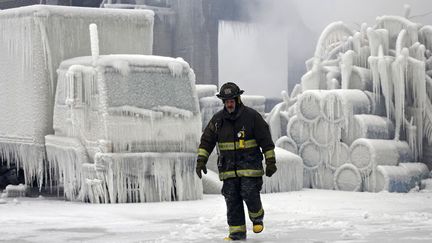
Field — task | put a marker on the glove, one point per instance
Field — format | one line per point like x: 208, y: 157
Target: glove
x: 270, y: 170
x: 201, y: 166
x: 270, y: 167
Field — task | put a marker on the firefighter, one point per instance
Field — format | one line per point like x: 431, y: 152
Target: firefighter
x: 239, y: 132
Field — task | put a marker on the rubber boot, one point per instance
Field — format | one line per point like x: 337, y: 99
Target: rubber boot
x: 258, y: 227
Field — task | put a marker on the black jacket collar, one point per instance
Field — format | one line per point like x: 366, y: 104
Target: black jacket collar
x: 236, y: 114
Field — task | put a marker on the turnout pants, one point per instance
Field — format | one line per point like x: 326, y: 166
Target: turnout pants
x: 239, y: 189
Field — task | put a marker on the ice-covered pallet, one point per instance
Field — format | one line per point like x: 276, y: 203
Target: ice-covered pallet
x: 33, y: 42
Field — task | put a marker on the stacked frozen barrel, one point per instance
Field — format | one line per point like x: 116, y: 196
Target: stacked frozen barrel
x: 346, y: 143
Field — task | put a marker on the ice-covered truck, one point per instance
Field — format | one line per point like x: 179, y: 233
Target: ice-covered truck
x: 109, y: 128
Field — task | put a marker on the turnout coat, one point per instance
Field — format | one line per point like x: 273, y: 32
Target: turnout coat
x: 242, y: 138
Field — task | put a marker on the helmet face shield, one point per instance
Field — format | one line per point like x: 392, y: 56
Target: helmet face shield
x: 229, y: 91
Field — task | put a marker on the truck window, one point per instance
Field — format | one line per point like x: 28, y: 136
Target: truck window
x: 149, y: 88
x: 85, y: 89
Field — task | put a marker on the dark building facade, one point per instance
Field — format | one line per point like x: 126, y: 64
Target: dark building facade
x: 190, y: 29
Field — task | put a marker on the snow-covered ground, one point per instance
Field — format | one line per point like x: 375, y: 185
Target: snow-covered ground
x: 301, y: 216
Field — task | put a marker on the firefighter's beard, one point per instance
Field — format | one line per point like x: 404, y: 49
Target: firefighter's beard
x: 230, y: 110
x: 230, y: 106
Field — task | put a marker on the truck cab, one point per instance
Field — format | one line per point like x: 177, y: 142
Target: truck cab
x: 126, y: 129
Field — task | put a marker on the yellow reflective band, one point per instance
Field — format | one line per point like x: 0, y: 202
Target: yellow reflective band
x: 226, y: 175
x: 203, y: 152
x: 237, y: 229
x: 250, y: 173
x: 233, y: 146
x: 240, y: 173
x: 251, y: 143
x: 269, y: 154
x: 256, y: 215
x: 226, y: 146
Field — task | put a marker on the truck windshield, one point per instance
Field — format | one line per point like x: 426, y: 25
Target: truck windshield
x: 149, y: 89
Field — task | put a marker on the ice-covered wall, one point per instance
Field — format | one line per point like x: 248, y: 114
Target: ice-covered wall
x: 33, y: 42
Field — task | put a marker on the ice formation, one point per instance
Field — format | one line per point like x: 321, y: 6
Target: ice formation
x: 366, y: 154
x: 339, y: 155
x: 287, y: 144
x: 206, y: 90
x: 400, y: 178
x: 16, y: 190
x: 128, y: 136
x: 369, y: 89
x: 256, y: 102
x: 149, y: 177
x: 289, y: 176
x: 298, y: 130
x: 34, y: 40
x: 348, y: 178
x: 368, y: 126
x: 211, y: 183
x: 308, y: 105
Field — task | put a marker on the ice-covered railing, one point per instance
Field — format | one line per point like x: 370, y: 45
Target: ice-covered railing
x: 386, y: 79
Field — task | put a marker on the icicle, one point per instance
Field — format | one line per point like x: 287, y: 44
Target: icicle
x: 399, y: 67
x: 384, y: 40
x: 419, y: 97
x: 374, y: 41
x: 333, y: 80
x: 346, y: 66
x: 357, y: 42
x: 401, y: 42
x: 373, y: 63
x: 162, y: 177
x: 427, y: 129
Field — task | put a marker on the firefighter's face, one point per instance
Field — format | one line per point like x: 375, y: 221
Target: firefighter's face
x: 230, y: 105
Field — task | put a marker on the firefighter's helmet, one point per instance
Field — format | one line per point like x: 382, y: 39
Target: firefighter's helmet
x: 229, y: 91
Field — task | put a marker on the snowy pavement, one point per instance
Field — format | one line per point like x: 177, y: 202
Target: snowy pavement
x: 302, y: 216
